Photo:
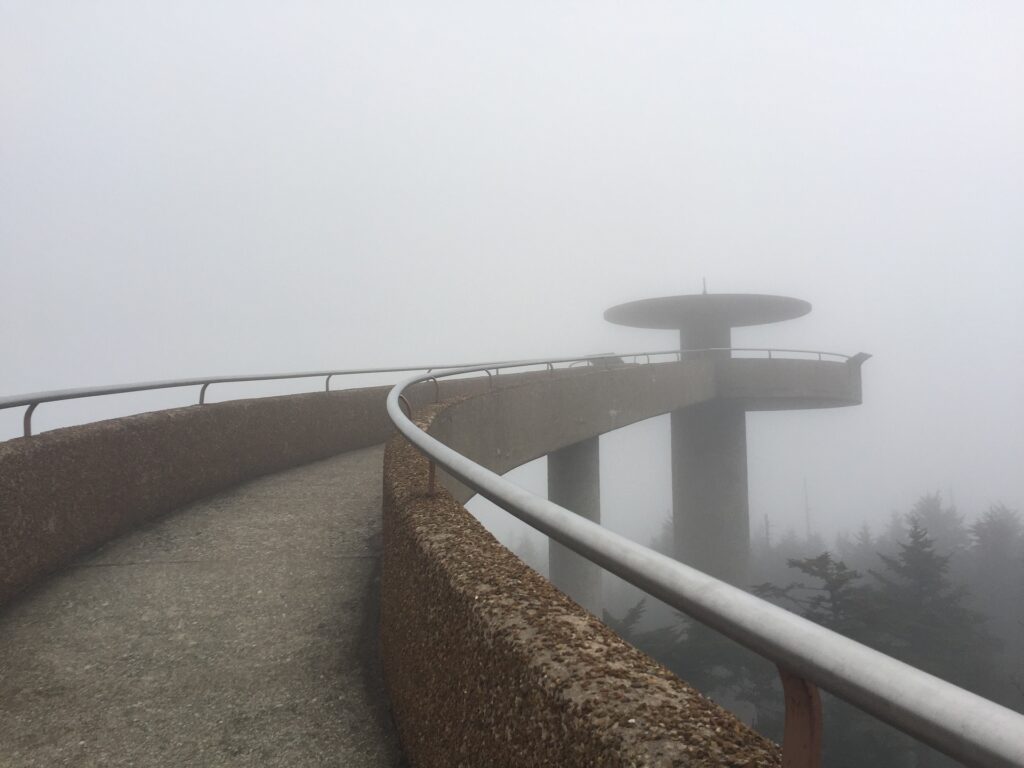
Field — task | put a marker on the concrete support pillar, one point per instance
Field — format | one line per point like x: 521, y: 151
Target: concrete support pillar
x: 709, y: 490
x: 574, y: 482
x: 708, y: 335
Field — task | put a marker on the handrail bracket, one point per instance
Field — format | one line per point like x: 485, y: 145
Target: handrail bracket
x: 801, y: 740
x: 28, y: 419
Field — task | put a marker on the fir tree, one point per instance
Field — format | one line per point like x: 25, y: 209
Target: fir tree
x: 945, y: 526
x: 997, y: 584
x: 921, y: 616
x: 834, y: 596
x: 626, y: 627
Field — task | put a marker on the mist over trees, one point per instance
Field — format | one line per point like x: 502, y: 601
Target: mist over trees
x: 929, y: 589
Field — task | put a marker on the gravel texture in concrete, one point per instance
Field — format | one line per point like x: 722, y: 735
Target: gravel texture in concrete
x: 487, y: 664
x: 241, y: 630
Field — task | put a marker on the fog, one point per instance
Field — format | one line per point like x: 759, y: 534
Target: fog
x: 195, y: 188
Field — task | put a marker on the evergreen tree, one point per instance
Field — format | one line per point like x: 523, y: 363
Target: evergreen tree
x: 996, y: 575
x: 998, y: 537
x: 834, y: 596
x: 627, y: 626
x: 945, y: 526
x: 921, y: 616
x: 863, y: 549
x: 895, y: 530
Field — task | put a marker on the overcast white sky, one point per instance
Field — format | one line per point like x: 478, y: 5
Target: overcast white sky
x: 225, y: 187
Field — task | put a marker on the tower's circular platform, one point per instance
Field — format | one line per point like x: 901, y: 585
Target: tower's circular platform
x: 721, y: 309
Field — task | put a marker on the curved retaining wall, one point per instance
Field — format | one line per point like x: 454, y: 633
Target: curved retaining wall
x: 488, y: 664
x: 511, y: 425
x: 65, y: 492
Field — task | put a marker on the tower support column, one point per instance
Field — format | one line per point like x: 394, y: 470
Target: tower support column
x: 574, y: 482
x: 709, y: 490
x: 706, y: 335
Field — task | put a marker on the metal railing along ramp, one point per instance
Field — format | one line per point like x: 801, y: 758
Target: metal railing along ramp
x: 34, y: 399
x: 971, y: 729
x: 967, y: 727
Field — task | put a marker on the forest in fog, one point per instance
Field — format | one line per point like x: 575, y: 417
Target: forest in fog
x: 933, y: 588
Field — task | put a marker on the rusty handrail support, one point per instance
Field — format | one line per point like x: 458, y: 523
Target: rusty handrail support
x: 28, y: 419
x: 801, y: 739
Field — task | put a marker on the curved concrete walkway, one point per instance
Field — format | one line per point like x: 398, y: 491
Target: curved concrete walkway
x: 238, y: 631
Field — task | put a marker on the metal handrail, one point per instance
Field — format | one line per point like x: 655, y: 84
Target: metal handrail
x: 34, y: 399
x: 965, y: 726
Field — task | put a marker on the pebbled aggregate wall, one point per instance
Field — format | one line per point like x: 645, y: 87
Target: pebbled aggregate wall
x: 67, y: 491
x: 487, y: 664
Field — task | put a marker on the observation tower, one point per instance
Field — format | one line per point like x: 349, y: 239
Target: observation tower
x: 709, y: 440
x: 705, y: 320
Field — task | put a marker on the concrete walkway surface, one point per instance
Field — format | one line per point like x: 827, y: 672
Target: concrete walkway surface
x: 239, y: 631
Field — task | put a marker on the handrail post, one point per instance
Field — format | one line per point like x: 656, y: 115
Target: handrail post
x: 801, y: 739
x: 202, y: 393
x: 327, y: 384
x: 28, y: 419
